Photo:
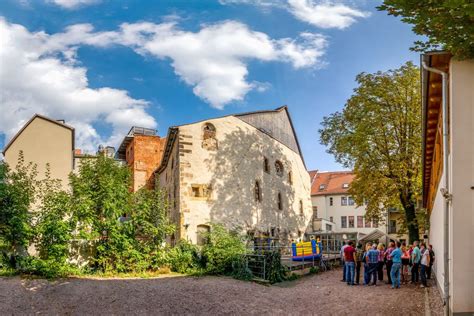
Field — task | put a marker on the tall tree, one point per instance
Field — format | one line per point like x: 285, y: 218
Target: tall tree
x: 17, y: 194
x: 378, y: 134
x: 448, y: 24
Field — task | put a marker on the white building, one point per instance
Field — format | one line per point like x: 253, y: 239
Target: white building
x: 334, y: 209
x: 245, y: 171
x: 459, y: 189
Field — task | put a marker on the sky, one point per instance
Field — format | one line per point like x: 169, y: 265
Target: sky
x: 106, y: 65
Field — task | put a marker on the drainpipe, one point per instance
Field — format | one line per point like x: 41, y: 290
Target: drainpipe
x: 444, y: 191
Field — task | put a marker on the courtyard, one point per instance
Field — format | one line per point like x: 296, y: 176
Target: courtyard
x: 322, y: 294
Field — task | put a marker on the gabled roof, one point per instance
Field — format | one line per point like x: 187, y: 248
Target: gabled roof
x: 327, y: 183
x: 246, y: 117
x: 38, y: 116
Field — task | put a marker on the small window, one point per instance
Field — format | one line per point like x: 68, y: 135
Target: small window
x: 209, y: 131
x: 280, y: 202
x: 350, y: 200
x: 331, y: 201
x: 196, y: 191
x: 343, y: 221
x: 301, y: 208
x: 257, y: 192
x: 375, y: 223
x: 343, y: 200
x: 328, y: 227
x: 331, y: 219
x: 345, y: 186
x: 322, y: 187
x: 351, y: 221
x: 360, y: 221
x: 315, y: 212
x: 290, y: 177
x: 279, y: 168
x: 266, y: 165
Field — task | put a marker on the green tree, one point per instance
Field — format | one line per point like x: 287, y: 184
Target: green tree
x: 126, y: 228
x: 17, y: 194
x: 53, y: 227
x: 378, y: 134
x: 448, y: 24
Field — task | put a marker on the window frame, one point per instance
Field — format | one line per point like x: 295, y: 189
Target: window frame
x: 343, y: 221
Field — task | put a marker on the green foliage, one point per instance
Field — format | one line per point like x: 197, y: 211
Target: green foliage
x: 446, y: 23
x: 240, y: 270
x: 378, y: 134
x: 53, y: 228
x: 222, y: 248
x: 183, y: 258
x: 276, y: 271
x: 127, y: 228
x: 17, y: 193
x: 314, y: 270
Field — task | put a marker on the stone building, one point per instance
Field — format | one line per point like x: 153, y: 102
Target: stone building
x: 44, y: 141
x: 142, y: 150
x: 244, y: 171
x: 334, y: 209
x: 448, y: 175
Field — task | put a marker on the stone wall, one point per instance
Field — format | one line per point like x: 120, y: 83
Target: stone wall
x: 217, y: 181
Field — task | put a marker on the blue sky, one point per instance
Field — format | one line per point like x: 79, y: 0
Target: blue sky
x: 176, y: 62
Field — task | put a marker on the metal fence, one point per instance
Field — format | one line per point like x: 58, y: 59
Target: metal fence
x: 255, y: 260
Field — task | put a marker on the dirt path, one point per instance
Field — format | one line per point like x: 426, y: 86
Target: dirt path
x: 322, y: 294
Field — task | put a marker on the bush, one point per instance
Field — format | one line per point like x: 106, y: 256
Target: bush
x: 223, y: 247
x: 240, y: 270
x: 183, y: 258
x: 44, y: 268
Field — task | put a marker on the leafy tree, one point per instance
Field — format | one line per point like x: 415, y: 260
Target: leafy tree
x: 53, y: 228
x: 446, y: 23
x: 17, y: 194
x: 127, y: 228
x: 378, y: 134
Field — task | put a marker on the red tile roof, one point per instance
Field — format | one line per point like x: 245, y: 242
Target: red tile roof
x: 333, y: 182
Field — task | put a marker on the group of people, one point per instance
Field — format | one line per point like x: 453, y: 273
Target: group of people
x: 397, y: 259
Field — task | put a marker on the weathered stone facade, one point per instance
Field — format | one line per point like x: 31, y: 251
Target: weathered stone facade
x: 213, y: 172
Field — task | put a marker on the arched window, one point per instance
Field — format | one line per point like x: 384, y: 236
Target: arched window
x: 279, y: 168
x: 266, y: 165
x: 280, y: 202
x: 209, y: 131
x: 257, y: 192
x: 209, y: 140
x: 202, y: 231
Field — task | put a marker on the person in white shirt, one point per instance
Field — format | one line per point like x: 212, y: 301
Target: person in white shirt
x: 425, y: 262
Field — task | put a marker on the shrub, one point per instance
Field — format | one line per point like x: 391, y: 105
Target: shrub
x: 183, y: 258
x: 222, y: 248
x: 240, y: 270
x: 276, y: 271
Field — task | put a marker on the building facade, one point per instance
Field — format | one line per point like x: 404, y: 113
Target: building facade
x: 244, y: 171
x: 334, y: 209
x: 459, y: 215
x: 44, y: 141
x: 142, y: 151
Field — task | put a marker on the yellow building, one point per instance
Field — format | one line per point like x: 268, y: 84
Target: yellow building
x: 44, y: 141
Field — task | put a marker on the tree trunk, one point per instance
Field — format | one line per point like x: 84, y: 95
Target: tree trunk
x: 412, y: 223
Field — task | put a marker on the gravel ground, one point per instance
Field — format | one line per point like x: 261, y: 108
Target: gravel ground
x: 322, y: 294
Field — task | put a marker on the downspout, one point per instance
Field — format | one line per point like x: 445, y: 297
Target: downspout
x: 444, y: 191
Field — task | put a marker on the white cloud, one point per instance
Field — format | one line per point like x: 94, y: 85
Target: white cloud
x: 325, y: 14
x: 320, y: 13
x: 214, y: 60
x: 73, y: 4
x: 39, y: 74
